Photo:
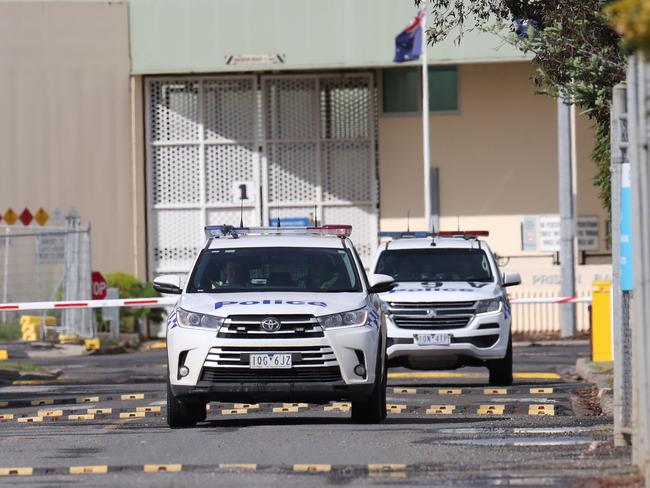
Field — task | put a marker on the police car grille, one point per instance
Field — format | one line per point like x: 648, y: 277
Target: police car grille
x: 447, y: 315
x: 303, y: 375
x: 301, y: 356
x: 249, y: 327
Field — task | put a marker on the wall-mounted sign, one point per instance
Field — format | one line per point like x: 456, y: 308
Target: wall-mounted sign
x: 542, y: 233
x: 244, y: 192
x: 239, y: 59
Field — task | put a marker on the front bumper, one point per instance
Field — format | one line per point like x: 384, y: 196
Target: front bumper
x: 217, y: 373
x: 484, y: 338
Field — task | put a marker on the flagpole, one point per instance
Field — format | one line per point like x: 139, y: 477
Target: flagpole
x: 425, y: 129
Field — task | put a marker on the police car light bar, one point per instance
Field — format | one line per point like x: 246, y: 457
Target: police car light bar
x: 402, y: 235
x: 463, y: 233
x: 212, y: 231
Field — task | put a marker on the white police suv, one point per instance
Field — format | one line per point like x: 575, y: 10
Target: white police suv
x: 271, y: 314
x: 450, y: 308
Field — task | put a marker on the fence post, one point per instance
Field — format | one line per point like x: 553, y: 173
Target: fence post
x: 5, y: 295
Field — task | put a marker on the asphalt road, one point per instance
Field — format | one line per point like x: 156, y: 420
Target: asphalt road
x: 102, y: 424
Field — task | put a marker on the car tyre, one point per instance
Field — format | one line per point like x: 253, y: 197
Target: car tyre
x: 501, y: 369
x: 373, y: 409
x: 183, y: 413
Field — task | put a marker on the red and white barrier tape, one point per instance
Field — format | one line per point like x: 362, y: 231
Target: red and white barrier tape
x: 526, y: 301
x: 160, y: 302
x: 117, y: 302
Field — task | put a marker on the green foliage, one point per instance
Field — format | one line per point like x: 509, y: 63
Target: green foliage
x: 577, y: 54
x: 131, y: 287
x: 10, y: 332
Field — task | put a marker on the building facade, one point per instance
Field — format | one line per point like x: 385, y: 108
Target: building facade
x: 153, y: 118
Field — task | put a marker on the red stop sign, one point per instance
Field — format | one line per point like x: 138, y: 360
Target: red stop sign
x: 100, y: 287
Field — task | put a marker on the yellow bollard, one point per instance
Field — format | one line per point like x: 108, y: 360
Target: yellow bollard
x: 601, y: 321
x: 30, y: 326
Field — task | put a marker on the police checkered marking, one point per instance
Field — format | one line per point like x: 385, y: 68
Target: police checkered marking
x: 373, y: 319
x: 172, y: 321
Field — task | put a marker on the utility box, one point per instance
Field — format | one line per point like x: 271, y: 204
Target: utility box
x: 601, y: 321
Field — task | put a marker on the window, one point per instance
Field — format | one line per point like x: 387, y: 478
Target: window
x: 402, y: 89
x: 436, y: 265
x: 274, y: 269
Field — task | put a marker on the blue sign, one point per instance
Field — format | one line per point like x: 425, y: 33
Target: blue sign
x: 291, y: 222
x: 627, y: 270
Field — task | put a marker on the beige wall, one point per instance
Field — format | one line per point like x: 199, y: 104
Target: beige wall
x: 497, y: 160
x: 64, y: 118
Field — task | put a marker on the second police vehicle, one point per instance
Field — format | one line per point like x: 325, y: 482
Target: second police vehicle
x: 450, y: 308
x: 271, y: 314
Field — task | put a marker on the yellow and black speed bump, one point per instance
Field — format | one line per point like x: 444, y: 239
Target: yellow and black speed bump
x: 19, y: 403
x: 351, y: 470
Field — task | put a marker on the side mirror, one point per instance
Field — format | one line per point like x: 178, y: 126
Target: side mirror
x: 170, y: 284
x: 380, y: 283
x: 511, y: 279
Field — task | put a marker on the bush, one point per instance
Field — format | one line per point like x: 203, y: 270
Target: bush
x: 131, y: 287
x: 10, y: 332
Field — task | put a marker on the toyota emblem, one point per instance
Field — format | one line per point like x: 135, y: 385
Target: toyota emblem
x: 270, y: 324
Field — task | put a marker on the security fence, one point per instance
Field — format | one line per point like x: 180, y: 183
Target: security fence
x: 47, y: 263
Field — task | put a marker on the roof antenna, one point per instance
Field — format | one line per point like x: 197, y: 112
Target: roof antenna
x: 458, y: 220
x: 241, y: 213
x: 277, y: 213
x: 408, y: 221
x: 315, y: 215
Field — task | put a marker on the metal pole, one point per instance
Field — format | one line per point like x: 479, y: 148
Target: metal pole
x: 616, y: 159
x: 425, y: 128
x: 567, y: 219
x: 641, y: 249
x: 6, y: 273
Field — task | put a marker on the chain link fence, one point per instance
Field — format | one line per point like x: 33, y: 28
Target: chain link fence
x: 47, y: 263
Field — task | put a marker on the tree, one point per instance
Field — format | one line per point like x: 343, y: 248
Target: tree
x: 577, y: 54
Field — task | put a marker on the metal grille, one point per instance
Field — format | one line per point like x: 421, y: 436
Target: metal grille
x: 303, y: 375
x: 292, y: 326
x: 307, y: 141
x: 435, y: 315
x: 301, y: 356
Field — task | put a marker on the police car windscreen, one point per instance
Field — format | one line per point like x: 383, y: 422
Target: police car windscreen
x: 435, y: 265
x: 274, y: 269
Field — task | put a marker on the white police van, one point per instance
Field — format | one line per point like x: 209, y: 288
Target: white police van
x: 450, y: 308
x: 276, y: 314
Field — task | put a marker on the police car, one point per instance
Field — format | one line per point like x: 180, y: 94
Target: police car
x: 270, y: 314
x: 450, y: 308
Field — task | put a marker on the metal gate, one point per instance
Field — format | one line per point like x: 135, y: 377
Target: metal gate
x: 303, y: 143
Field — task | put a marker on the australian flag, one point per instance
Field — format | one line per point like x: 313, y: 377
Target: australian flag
x: 408, y: 43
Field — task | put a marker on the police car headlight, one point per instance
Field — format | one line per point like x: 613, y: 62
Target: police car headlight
x: 345, y: 319
x: 193, y: 319
x: 491, y: 305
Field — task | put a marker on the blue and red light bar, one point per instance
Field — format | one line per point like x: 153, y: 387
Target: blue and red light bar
x: 212, y: 231
x: 464, y: 234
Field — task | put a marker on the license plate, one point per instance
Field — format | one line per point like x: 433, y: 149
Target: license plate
x: 433, y: 339
x: 270, y: 361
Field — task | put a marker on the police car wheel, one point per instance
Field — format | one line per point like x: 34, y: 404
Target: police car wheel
x: 501, y: 369
x: 373, y: 410
x: 182, y: 413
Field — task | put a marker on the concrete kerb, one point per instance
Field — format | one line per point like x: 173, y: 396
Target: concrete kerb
x: 603, y: 381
